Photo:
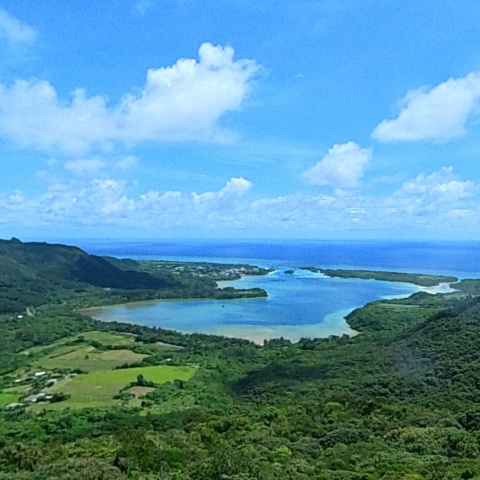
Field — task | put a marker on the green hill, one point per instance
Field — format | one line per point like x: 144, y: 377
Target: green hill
x: 32, y: 274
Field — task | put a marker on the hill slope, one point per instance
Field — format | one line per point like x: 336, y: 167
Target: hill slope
x: 32, y: 274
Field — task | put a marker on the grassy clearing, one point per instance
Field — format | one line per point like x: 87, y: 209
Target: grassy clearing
x: 138, y: 393
x: 84, y: 356
x: 8, y: 397
x: 88, y: 359
x: 157, y: 374
x: 102, y: 382
x: 41, y: 348
x: 141, y: 391
x: 105, y: 338
x: 18, y: 389
x: 119, y: 339
x: 124, y: 356
x: 65, y: 353
x: 72, y: 353
x: 399, y: 306
x: 108, y: 338
x: 98, y: 388
x: 73, y: 404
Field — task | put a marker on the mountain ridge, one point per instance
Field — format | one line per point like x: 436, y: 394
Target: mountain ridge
x: 32, y: 273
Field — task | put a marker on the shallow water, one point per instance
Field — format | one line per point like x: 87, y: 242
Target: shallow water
x: 304, y: 304
x: 300, y: 305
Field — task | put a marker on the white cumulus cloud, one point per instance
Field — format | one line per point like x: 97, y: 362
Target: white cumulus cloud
x: 430, y: 203
x: 436, y: 193
x: 237, y: 186
x: 342, y: 167
x: 178, y: 103
x: 32, y: 115
x: 185, y: 101
x: 438, y: 114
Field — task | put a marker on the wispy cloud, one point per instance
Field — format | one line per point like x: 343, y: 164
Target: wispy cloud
x: 433, y: 194
x: 425, y: 203
x: 126, y: 162
x: 142, y: 6
x: 15, y: 31
x: 84, y: 165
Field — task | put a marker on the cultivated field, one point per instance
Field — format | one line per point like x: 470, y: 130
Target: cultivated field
x: 105, y: 338
x: 98, y: 388
x: 88, y: 359
x: 81, y: 352
x: 94, y: 357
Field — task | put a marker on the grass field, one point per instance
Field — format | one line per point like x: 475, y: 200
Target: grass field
x: 81, y: 355
x: 98, y: 388
x: 30, y: 352
x: 85, y: 357
x: 102, y: 382
x: 6, y: 398
x: 138, y: 394
x: 13, y: 394
x: 141, y: 391
x: 109, y: 338
x: 105, y: 338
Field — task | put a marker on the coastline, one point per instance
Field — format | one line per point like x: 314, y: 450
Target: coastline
x: 333, y: 323
x: 440, y: 288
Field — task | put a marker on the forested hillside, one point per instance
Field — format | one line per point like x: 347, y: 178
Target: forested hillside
x: 82, y: 399
x: 34, y: 274
x: 401, y: 400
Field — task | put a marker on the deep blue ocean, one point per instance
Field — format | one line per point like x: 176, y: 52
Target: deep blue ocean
x: 299, y: 305
x: 446, y: 257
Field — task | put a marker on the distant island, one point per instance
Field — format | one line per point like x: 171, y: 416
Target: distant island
x: 419, y: 279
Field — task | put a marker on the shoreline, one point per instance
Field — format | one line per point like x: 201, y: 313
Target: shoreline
x: 334, y: 323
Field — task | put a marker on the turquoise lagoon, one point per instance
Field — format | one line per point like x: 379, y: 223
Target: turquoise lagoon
x: 302, y: 304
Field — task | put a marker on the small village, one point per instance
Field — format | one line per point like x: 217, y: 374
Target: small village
x: 215, y: 271
x: 37, y: 384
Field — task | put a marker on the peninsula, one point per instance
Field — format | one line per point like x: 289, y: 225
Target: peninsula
x: 36, y: 273
x: 420, y: 279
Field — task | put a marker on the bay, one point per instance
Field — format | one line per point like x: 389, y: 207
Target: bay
x: 303, y: 304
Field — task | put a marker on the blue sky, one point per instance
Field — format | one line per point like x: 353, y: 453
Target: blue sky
x: 191, y: 118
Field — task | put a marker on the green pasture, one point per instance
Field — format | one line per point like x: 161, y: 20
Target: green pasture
x: 33, y: 351
x: 66, y: 354
x: 138, y: 395
x: 88, y: 358
x: 81, y: 355
x: 105, y: 338
x: 98, y: 388
x: 108, y: 338
x: 12, y: 394
x: 8, y: 397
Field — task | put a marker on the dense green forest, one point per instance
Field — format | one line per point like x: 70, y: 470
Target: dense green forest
x: 400, y: 400
x: 421, y: 279
x: 33, y: 274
